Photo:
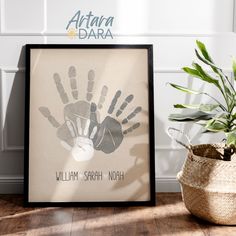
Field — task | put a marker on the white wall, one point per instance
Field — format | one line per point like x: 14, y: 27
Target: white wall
x: 172, y: 26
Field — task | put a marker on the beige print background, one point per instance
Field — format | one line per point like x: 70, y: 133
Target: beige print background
x: 124, y: 69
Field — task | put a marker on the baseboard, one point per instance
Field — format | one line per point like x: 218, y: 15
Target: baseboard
x: 167, y: 184
x: 11, y: 184
x: 14, y: 184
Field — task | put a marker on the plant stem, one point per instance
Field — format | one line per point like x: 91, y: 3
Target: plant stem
x: 224, y: 91
x: 221, y: 105
x: 221, y: 72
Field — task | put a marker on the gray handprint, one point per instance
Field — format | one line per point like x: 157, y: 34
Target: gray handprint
x: 81, y: 131
x: 110, y: 134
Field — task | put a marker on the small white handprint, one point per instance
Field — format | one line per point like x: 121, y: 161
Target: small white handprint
x: 82, y: 149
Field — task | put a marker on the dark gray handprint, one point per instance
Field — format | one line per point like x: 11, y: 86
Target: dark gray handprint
x: 81, y: 131
x: 110, y: 134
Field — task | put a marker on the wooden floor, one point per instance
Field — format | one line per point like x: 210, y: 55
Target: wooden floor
x: 169, y: 217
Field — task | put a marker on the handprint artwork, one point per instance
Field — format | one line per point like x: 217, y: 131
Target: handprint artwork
x: 82, y: 132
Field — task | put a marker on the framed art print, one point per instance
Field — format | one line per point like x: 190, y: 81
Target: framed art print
x: 89, y: 129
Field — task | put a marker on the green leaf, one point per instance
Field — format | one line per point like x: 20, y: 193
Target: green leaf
x: 205, y: 131
x: 203, y: 50
x: 221, y: 115
x: 220, y: 73
x: 192, y: 72
x: 214, y: 126
x: 184, y: 89
x: 234, y: 116
x: 207, y: 58
x: 201, y: 107
x: 211, y: 64
x: 232, y: 104
x: 204, y: 76
x: 202, y: 122
x: 193, y: 116
x: 231, y: 138
x: 190, y: 106
x: 208, y: 107
x: 234, y: 68
x: 229, y: 94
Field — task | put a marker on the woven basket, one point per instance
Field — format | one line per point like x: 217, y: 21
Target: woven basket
x: 209, y: 184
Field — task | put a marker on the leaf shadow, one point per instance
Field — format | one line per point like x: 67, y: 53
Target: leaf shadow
x: 137, y: 172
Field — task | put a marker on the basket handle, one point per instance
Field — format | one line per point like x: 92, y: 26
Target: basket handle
x: 169, y: 132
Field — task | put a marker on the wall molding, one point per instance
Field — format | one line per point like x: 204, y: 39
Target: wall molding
x: 168, y: 148
x: 2, y: 16
x: 5, y: 146
x: 177, y: 70
x: 3, y: 32
x: 234, y: 17
x: 156, y: 70
x: 11, y: 184
x: 15, y: 184
x: 167, y: 184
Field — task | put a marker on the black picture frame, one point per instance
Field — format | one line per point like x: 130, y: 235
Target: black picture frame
x: 151, y: 201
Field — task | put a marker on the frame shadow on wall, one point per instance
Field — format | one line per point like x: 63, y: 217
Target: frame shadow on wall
x: 13, y: 108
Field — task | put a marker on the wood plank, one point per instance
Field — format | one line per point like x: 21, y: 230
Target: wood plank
x: 215, y: 230
x: 79, y: 219
x: 172, y: 218
x: 93, y: 221
x: 51, y: 221
x: 169, y: 217
x: 14, y: 219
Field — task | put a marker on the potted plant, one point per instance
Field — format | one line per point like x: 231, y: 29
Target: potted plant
x: 208, y: 177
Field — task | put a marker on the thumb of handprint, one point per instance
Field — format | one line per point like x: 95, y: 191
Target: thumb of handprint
x: 81, y: 132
